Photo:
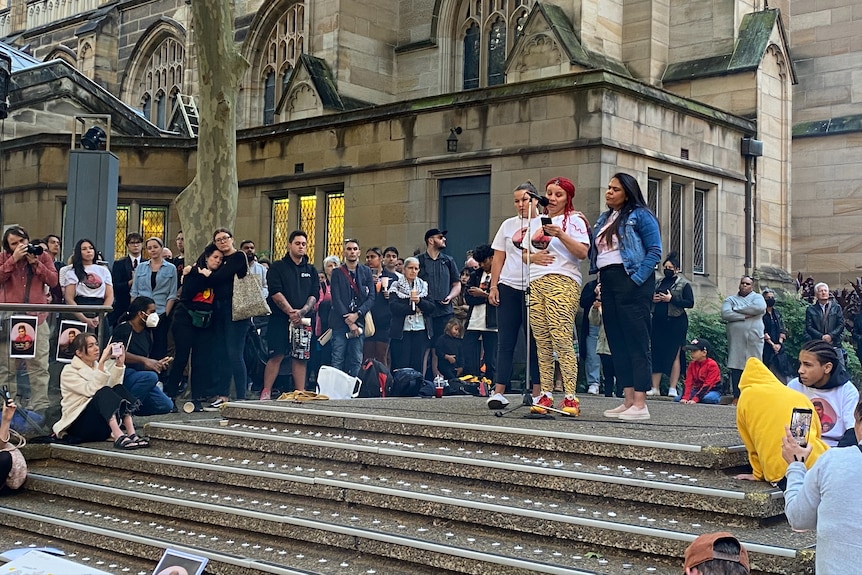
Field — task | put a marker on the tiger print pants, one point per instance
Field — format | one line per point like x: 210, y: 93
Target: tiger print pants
x: 554, y: 301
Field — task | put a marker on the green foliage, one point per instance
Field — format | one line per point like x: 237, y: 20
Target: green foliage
x: 705, y: 321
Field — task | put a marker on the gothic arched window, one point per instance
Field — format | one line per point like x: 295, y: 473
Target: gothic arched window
x: 283, y: 49
x: 488, y: 30
x: 162, y: 80
x: 269, y: 98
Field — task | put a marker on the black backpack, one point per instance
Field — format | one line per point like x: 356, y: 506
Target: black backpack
x: 406, y: 382
x: 376, y: 379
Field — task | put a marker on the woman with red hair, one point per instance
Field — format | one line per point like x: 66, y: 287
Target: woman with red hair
x: 560, y: 242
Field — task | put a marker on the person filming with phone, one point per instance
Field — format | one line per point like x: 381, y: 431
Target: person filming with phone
x: 142, y: 372
x: 826, y: 497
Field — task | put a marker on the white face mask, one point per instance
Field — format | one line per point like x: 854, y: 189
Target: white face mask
x: 152, y: 320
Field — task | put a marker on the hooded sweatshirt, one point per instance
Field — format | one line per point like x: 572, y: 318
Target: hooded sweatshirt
x: 764, y: 410
x: 834, y: 403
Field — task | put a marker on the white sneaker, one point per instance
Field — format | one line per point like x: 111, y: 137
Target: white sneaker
x: 497, y: 401
x: 594, y: 389
x: 652, y: 392
x: 671, y: 392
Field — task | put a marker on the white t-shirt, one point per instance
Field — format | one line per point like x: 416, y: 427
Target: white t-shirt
x: 564, y: 263
x: 477, y: 314
x: 514, y: 273
x: 837, y: 404
x: 93, y: 286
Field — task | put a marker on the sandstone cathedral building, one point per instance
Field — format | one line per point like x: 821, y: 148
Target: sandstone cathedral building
x: 741, y: 119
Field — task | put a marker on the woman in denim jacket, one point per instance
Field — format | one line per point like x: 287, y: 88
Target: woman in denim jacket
x: 156, y: 278
x: 625, y: 249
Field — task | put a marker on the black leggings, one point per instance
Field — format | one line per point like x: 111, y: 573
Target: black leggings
x: 92, y: 423
x: 626, y: 313
x: 512, y: 320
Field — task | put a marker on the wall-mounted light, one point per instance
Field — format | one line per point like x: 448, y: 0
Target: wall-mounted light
x: 452, y: 140
x: 5, y: 74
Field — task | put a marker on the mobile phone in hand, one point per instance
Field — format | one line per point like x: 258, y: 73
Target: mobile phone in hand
x: 800, y: 425
x: 546, y: 221
x: 116, y: 349
x: 7, y: 395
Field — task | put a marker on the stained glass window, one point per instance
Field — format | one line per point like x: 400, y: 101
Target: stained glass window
x: 280, y: 227
x: 676, y: 219
x: 334, y: 223
x: 307, y: 221
x: 471, y: 57
x: 154, y: 220
x: 698, y: 244
x: 122, y: 231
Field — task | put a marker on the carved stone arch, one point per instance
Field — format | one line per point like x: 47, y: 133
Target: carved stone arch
x: 133, y: 81
x: 63, y: 53
x: 86, y: 59
x: 256, y: 50
x: 446, y: 32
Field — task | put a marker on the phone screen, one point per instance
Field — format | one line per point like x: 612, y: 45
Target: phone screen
x: 546, y: 221
x: 800, y: 425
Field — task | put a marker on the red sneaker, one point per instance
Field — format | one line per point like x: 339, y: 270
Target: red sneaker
x: 571, y: 404
x: 545, y: 400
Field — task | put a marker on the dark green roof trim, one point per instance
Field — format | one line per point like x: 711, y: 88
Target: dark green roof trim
x: 414, y: 46
x: 748, y: 53
x: 562, y: 29
x: 593, y: 79
x: 830, y: 127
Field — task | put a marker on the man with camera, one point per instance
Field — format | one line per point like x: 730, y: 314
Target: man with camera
x: 25, y: 273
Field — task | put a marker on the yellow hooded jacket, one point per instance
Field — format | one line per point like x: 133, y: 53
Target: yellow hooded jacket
x: 765, y: 408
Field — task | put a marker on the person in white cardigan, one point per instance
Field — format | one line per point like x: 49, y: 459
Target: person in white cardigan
x: 94, y: 401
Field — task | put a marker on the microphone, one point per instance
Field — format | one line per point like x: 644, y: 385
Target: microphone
x: 542, y: 200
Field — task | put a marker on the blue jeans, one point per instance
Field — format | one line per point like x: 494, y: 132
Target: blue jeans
x: 712, y: 398
x: 347, y: 353
x: 591, y: 357
x: 142, y: 384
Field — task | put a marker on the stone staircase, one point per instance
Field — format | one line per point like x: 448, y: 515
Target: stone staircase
x: 409, y: 486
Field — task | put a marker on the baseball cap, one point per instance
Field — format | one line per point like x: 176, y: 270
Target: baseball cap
x: 435, y: 232
x: 698, y: 344
x: 702, y: 550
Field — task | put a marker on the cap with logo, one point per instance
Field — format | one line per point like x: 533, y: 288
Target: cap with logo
x: 698, y: 344
x: 434, y: 232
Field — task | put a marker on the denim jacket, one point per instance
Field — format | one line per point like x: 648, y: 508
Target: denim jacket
x: 166, y: 284
x: 640, y: 244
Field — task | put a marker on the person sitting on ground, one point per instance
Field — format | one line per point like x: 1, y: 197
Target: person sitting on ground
x: 824, y: 381
x: 765, y: 408
x: 450, y: 360
x: 827, y: 498
x: 716, y: 554
x: 13, y: 467
x: 94, y: 401
x: 142, y: 372
x: 702, y: 378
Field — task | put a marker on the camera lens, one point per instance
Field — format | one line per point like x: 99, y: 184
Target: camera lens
x: 35, y: 250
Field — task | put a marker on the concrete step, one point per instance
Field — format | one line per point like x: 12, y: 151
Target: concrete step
x: 661, y: 484
x: 707, y: 438
x: 285, y: 481
x: 297, y: 540
x: 91, y: 556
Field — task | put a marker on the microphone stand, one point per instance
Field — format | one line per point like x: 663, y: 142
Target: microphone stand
x: 528, y: 392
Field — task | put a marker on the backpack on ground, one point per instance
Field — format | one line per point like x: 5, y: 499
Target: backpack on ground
x: 406, y: 382
x: 376, y: 379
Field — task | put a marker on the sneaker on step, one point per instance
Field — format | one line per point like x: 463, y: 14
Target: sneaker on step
x: 571, y: 404
x: 543, y: 400
x: 594, y: 389
x: 653, y: 392
x: 615, y: 412
x: 265, y: 394
x: 497, y: 401
x: 671, y: 392
x: 634, y: 414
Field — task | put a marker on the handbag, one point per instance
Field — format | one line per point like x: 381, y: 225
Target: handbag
x: 247, y: 301
x: 367, y: 319
x: 201, y: 319
x: 18, y: 473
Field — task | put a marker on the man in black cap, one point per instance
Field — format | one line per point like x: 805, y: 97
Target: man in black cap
x: 444, y: 283
x: 716, y: 554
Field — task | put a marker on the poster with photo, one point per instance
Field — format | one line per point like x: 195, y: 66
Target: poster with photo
x: 22, y: 336
x: 69, y: 330
x: 175, y: 562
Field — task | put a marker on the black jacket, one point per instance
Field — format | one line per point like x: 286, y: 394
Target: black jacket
x: 816, y: 325
x: 343, y: 294
x: 490, y: 310
x: 400, y: 308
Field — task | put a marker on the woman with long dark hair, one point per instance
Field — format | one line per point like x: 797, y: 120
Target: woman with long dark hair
x: 192, y: 328
x: 156, y: 278
x: 625, y: 249
x: 87, y: 283
x: 672, y: 297
x: 231, y: 363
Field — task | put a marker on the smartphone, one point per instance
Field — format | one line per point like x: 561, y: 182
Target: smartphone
x: 7, y: 396
x: 800, y: 425
x: 546, y: 221
x: 116, y: 349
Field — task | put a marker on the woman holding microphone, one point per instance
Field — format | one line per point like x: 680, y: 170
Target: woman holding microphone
x: 411, y: 327
x: 510, y: 277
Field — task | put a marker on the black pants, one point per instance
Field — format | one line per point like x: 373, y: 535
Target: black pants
x: 409, y: 351
x: 512, y: 320
x: 92, y: 423
x: 472, y: 348
x: 735, y: 376
x: 199, y: 344
x: 611, y: 382
x: 626, y: 314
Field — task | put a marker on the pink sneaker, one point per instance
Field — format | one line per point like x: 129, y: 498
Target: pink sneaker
x: 635, y: 414
x: 615, y: 412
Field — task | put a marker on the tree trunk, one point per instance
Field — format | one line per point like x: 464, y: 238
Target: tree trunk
x: 210, y: 200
